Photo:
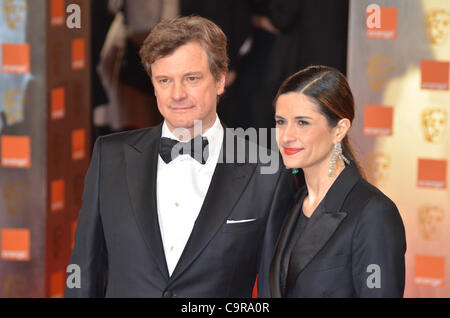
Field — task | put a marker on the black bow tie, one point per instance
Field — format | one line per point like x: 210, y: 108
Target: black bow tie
x: 197, y: 148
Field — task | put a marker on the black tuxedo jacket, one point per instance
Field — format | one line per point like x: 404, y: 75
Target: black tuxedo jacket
x: 354, y: 240
x: 118, y: 244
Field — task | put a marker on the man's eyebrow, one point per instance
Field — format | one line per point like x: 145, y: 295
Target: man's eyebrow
x: 184, y: 75
x: 193, y: 73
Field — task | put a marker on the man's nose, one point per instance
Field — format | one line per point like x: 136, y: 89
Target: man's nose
x: 178, y: 91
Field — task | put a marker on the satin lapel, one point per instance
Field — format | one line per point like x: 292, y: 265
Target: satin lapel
x: 142, y: 164
x: 324, y: 223
x: 282, y: 242
x: 227, y: 185
x: 316, y: 235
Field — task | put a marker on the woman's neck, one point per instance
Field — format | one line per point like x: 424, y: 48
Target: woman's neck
x: 318, y: 182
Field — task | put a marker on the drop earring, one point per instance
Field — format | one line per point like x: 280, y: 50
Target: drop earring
x: 337, y: 154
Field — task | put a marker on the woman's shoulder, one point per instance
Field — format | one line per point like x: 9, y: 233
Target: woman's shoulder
x: 372, y: 205
x: 372, y: 202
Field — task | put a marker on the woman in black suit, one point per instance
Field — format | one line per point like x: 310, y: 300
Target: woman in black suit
x: 343, y: 237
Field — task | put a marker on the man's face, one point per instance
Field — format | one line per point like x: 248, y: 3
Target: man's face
x: 185, y: 88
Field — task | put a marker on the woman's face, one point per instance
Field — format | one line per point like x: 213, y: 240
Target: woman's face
x: 303, y: 134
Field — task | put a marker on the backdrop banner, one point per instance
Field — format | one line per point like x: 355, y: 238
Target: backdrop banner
x: 398, y: 68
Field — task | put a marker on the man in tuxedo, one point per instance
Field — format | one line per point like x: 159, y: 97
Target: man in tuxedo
x: 168, y: 215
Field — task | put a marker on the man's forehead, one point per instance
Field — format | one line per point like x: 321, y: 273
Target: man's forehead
x: 188, y: 58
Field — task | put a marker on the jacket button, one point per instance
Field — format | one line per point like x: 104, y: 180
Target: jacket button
x: 167, y: 294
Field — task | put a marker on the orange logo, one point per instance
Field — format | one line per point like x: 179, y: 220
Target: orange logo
x: 432, y: 173
x: 437, y: 22
x: 16, y: 244
x: 381, y: 23
x: 78, y: 54
x: 58, y: 194
x: 429, y: 271
x: 57, y: 13
x: 78, y: 144
x: 435, y: 75
x: 377, y: 167
x: 16, y: 58
x: 57, y: 284
x: 15, y: 152
x: 58, y: 103
x: 379, y: 69
x: 378, y: 120
x: 430, y: 221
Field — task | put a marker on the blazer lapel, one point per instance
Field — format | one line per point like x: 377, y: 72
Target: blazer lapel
x: 280, y: 245
x: 227, y: 184
x: 325, y: 220
x: 316, y: 235
x: 141, y: 164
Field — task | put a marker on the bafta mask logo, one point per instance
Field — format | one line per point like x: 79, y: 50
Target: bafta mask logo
x: 14, y: 195
x: 14, y: 286
x: 434, y: 121
x: 430, y: 219
x: 15, y: 13
x: 379, y: 69
x: 14, y: 101
x: 377, y: 168
x: 438, y: 25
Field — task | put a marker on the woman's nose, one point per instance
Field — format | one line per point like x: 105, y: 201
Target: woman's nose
x: 287, y: 135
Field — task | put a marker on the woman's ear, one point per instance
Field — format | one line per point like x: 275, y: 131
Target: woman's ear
x: 342, y: 129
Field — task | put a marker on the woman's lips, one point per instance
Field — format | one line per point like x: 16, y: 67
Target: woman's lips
x: 292, y: 151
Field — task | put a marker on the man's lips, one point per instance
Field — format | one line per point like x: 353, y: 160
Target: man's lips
x: 292, y: 151
x: 180, y: 108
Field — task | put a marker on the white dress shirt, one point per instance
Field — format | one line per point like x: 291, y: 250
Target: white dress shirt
x: 181, y: 188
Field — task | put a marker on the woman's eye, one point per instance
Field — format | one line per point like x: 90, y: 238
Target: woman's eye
x: 302, y: 123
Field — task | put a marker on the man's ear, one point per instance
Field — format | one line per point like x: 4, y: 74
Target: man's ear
x: 342, y: 129
x: 220, y: 84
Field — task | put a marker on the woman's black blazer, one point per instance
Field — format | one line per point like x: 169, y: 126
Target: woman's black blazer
x: 353, y: 246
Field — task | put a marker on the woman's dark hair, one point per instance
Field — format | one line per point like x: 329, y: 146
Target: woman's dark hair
x: 329, y: 89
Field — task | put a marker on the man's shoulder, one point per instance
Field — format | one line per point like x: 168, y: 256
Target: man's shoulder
x: 137, y: 138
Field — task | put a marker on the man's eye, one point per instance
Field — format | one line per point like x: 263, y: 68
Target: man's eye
x: 164, y: 80
x: 192, y: 78
x: 279, y: 121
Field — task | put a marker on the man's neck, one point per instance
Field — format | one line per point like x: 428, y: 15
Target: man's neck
x: 187, y: 133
